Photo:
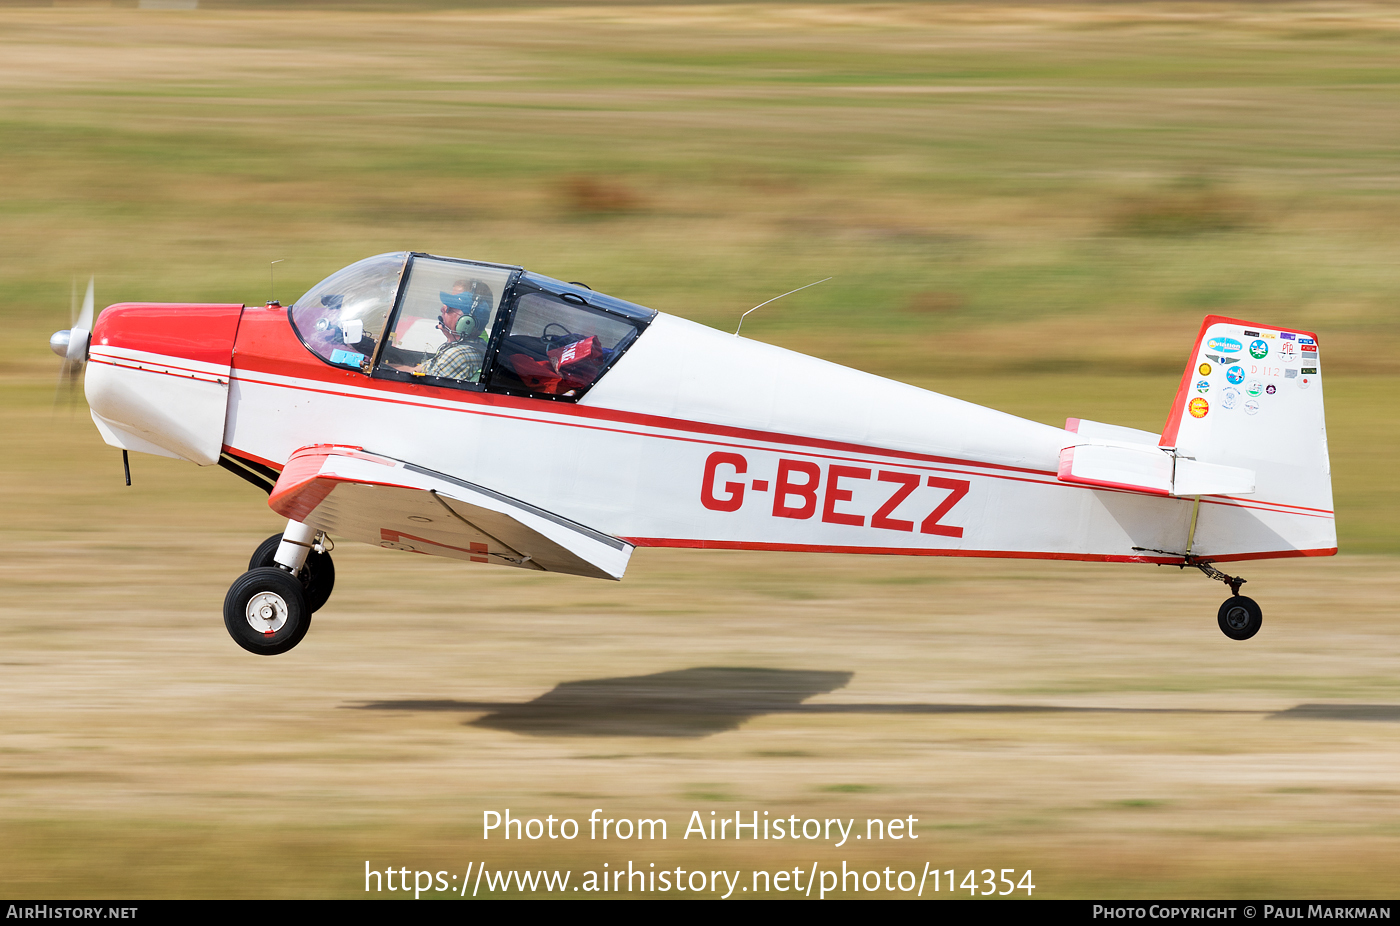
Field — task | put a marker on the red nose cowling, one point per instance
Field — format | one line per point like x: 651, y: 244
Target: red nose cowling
x: 193, y: 332
x: 157, y: 377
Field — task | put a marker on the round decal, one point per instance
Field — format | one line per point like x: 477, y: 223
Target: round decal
x: 1203, y: 385
x: 1270, y: 389
x: 1199, y: 408
x: 1287, y: 352
x: 1303, y: 382
x: 1235, y: 375
x: 1205, y: 369
x: 1259, y: 349
x: 1229, y: 398
x: 1251, y: 407
x: 1255, y: 388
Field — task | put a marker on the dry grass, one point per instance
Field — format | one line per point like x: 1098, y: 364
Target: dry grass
x: 1154, y: 751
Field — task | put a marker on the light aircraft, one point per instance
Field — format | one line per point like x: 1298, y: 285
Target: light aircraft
x: 487, y: 414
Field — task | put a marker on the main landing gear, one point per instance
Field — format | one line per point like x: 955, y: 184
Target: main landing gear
x: 268, y: 609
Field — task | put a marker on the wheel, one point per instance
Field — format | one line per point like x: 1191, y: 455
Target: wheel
x: 317, y: 575
x: 265, y: 611
x: 1240, y: 618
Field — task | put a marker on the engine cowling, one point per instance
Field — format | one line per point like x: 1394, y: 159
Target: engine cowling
x: 158, y: 374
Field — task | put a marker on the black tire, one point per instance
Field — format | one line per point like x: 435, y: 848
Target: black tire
x: 1240, y: 618
x: 265, y: 611
x: 317, y: 575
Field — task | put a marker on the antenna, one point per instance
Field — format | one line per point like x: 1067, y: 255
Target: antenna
x: 774, y: 299
x: 271, y: 283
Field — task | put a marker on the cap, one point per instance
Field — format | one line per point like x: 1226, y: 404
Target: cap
x: 462, y: 302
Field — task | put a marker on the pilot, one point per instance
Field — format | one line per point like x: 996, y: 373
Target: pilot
x: 463, y: 321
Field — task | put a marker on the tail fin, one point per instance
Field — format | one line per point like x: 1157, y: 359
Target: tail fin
x: 1246, y: 432
x: 1251, y: 400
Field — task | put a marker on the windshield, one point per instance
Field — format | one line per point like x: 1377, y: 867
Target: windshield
x: 445, y: 320
x: 340, y: 319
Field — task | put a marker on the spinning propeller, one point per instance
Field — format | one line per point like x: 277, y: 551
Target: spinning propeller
x: 72, y: 343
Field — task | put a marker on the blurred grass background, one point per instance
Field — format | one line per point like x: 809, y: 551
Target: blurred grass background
x: 1029, y: 206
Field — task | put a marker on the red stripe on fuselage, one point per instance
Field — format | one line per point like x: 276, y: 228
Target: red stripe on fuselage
x: 95, y: 355
x: 991, y: 554
x: 693, y: 440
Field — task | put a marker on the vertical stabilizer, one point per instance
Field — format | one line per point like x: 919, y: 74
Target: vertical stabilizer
x: 1251, y: 398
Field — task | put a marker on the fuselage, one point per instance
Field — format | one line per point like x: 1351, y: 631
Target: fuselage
x: 690, y: 438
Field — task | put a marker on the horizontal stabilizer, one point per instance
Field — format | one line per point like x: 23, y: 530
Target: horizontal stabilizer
x: 1094, y: 431
x: 1193, y: 478
x: 1118, y: 465
x: 1149, y: 470
x: 374, y: 499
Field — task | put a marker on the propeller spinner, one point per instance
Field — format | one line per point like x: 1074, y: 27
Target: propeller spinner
x: 72, y: 343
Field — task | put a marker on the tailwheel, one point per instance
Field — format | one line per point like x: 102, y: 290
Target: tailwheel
x: 317, y: 574
x: 265, y: 611
x: 1240, y: 617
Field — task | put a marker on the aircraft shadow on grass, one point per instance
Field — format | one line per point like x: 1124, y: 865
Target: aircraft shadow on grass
x: 705, y: 701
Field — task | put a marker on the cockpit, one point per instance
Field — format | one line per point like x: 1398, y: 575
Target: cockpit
x: 466, y: 325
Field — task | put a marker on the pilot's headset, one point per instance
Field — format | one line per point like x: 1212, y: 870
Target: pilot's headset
x: 475, y: 304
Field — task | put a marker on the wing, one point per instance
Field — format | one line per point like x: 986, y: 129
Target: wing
x: 362, y: 496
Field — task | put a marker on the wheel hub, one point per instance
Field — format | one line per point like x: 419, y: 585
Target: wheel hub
x: 1237, y: 618
x: 266, y: 612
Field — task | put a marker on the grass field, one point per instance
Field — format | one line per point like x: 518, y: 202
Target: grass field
x: 1027, y: 206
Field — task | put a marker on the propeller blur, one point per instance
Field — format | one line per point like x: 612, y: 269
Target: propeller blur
x: 72, y: 343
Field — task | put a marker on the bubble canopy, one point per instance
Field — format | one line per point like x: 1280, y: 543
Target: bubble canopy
x: 340, y: 314
x: 405, y: 316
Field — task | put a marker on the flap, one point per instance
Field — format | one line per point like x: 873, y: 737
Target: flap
x: 373, y: 499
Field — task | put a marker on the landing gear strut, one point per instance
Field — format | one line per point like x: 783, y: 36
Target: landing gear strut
x: 1239, y: 617
x: 290, y: 576
x: 317, y: 573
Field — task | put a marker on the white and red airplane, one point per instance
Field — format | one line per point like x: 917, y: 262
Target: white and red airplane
x: 491, y: 415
